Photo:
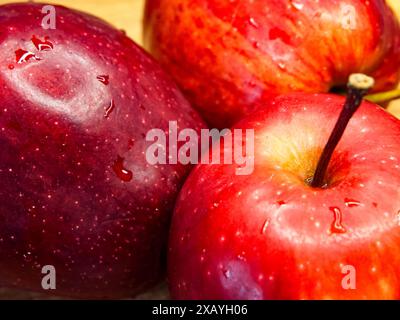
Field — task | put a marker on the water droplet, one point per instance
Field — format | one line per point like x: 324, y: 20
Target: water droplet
x: 109, y: 109
x: 241, y: 257
x: 375, y: 204
x: 227, y: 273
x: 256, y: 44
x: 45, y: 45
x: 24, y: 56
x: 11, y: 66
x: 103, y: 79
x: 131, y: 143
x: 281, y: 65
x: 265, y: 226
x: 252, y: 84
x: 337, y: 226
x: 281, y: 202
x: 254, y: 23
x: 398, y: 217
x: 297, y: 5
x: 119, y: 169
x: 318, y: 14
x: 351, y: 203
x: 277, y: 33
x: 27, y: 256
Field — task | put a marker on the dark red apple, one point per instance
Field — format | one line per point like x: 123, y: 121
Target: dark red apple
x: 76, y: 191
x: 270, y: 235
x: 229, y: 56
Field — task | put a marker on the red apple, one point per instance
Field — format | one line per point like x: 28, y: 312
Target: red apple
x: 229, y: 56
x: 270, y: 235
x: 76, y: 191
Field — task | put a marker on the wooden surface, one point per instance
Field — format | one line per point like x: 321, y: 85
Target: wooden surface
x: 127, y: 15
x: 395, y: 5
x: 394, y: 107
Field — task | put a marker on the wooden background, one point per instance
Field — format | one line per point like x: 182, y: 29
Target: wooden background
x: 127, y: 15
x: 394, y: 107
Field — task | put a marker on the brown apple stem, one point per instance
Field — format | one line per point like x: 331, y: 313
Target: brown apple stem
x: 382, y: 97
x: 357, y: 87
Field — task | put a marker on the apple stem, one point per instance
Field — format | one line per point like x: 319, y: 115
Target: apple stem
x: 357, y: 87
x: 382, y: 97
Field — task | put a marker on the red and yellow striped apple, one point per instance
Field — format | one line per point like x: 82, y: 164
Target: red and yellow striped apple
x: 229, y: 56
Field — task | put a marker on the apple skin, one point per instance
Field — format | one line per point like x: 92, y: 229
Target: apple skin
x: 271, y: 236
x: 229, y: 56
x: 76, y: 191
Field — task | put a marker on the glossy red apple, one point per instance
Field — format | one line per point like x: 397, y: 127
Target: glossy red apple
x: 229, y: 56
x: 270, y: 235
x: 76, y: 191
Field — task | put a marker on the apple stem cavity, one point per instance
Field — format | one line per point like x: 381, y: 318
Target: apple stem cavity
x: 357, y: 87
x: 383, y: 97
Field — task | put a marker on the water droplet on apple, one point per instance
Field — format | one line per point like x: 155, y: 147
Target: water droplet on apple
x: 45, y: 45
x: 11, y: 66
x: 109, y: 109
x: 121, y: 172
x: 252, y: 84
x: 265, y: 226
x: 281, y: 66
x: 351, y: 203
x: 242, y: 256
x: 131, y: 143
x: 277, y: 33
x: 254, y: 23
x: 398, y: 217
x: 297, y: 5
x: 24, y: 56
x: 103, y: 79
x: 226, y: 273
x: 318, y: 14
x: 337, y: 226
x: 27, y: 256
x: 281, y: 202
